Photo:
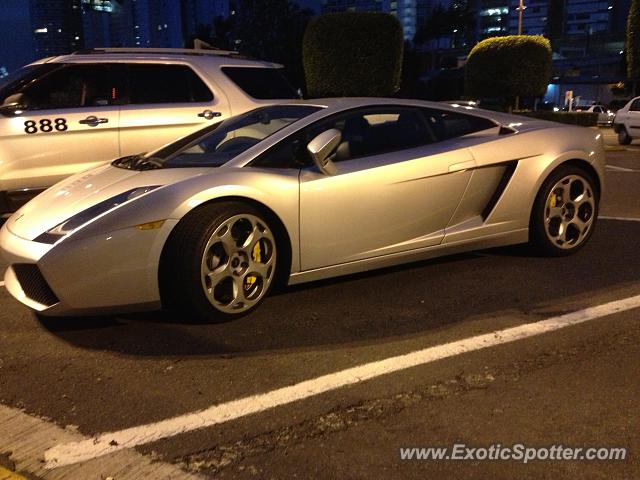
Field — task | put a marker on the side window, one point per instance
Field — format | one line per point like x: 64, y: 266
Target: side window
x: 289, y: 153
x: 261, y: 83
x: 150, y: 84
x: 375, y: 131
x: 635, y: 106
x: 446, y: 124
x: 72, y: 86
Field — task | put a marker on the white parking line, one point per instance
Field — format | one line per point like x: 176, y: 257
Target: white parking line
x: 614, y: 168
x: 75, y: 452
x: 621, y: 219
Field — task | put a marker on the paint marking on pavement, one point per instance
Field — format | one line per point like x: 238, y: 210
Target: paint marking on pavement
x: 107, y: 443
x: 9, y: 475
x: 620, y: 219
x: 27, y: 438
x: 615, y: 168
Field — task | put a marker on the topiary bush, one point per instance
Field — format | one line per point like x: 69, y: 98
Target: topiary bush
x: 506, y: 67
x: 353, y: 54
x: 584, y: 119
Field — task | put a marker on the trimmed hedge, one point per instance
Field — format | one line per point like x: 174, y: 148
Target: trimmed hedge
x: 353, y: 54
x: 505, y: 67
x: 584, y: 119
x: 633, y: 40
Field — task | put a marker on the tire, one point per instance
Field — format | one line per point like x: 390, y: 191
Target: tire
x: 219, y: 263
x: 623, y: 137
x: 564, y: 212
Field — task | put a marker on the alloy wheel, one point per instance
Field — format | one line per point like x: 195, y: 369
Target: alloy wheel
x: 569, y: 212
x: 238, y: 263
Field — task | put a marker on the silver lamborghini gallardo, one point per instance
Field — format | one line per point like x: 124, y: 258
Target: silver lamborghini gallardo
x: 298, y: 192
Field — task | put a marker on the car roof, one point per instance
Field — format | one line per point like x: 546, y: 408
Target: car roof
x: 344, y: 103
x: 145, y: 55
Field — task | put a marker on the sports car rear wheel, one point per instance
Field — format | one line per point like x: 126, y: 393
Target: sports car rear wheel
x: 565, y: 212
x: 220, y: 261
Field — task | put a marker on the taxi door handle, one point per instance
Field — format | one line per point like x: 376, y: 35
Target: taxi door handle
x: 208, y: 114
x: 93, y: 121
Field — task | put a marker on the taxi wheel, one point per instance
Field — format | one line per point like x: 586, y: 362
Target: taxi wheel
x: 220, y: 262
x: 564, y: 212
x: 623, y: 137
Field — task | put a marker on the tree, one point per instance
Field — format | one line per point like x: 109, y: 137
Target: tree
x: 353, y: 54
x: 633, y: 43
x: 272, y: 30
x: 508, y: 67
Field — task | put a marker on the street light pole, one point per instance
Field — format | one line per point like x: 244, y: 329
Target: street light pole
x: 520, y: 11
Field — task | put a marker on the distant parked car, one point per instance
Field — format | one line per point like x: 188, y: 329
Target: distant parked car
x: 61, y: 115
x: 627, y: 122
x: 605, y: 116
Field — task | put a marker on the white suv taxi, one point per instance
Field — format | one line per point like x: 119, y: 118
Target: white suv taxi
x: 627, y: 122
x: 101, y: 104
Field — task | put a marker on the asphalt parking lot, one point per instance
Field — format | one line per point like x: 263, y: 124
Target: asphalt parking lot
x: 72, y: 390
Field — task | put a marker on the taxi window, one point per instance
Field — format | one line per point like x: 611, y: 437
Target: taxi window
x: 71, y: 86
x: 261, y: 83
x: 149, y: 84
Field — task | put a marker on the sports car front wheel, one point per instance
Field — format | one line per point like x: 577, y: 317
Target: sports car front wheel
x: 220, y: 262
x: 564, y: 212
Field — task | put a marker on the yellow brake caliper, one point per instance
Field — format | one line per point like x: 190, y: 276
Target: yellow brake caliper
x: 256, y: 254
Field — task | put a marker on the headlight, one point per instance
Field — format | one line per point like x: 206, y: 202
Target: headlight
x: 71, y: 224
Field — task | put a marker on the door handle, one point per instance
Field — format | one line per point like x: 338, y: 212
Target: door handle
x: 208, y: 114
x: 93, y: 121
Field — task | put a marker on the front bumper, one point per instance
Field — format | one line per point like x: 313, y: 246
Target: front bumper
x: 114, y: 272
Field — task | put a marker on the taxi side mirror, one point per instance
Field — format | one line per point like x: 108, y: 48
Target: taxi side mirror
x: 13, y: 104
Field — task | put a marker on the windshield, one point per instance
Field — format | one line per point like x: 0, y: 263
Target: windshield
x: 16, y: 80
x: 217, y: 145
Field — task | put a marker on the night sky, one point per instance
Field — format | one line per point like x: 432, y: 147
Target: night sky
x: 16, y: 44
x: 16, y: 48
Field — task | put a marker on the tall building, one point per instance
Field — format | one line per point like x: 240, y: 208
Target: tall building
x: 405, y: 10
x: 57, y: 26
x: 107, y: 23
x: 587, y: 16
x: 203, y: 12
x: 157, y: 23
x: 63, y: 26
x: 534, y: 17
x: 492, y: 18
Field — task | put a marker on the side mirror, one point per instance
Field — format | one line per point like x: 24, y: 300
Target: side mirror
x: 12, y: 104
x: 323, y: 147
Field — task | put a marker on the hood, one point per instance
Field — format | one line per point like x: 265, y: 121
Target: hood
x: 84, y: 190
